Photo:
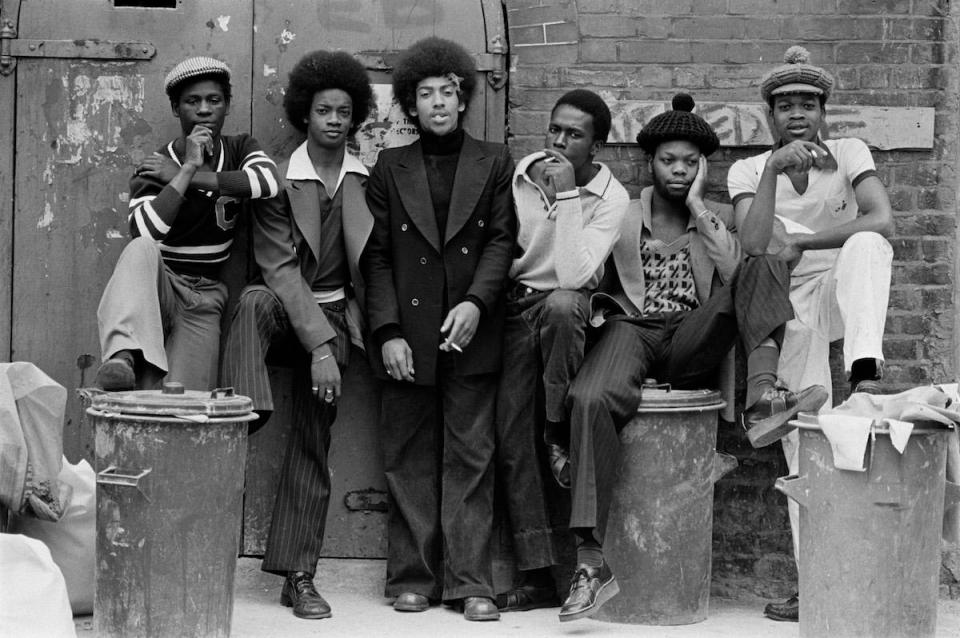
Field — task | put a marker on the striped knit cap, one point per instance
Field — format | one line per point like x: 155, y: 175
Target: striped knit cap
x: 678, y: 124
x: 193, y: 67
x: 796, y: 76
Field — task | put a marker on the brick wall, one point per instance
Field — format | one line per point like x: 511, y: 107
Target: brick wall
x: 882, y: 53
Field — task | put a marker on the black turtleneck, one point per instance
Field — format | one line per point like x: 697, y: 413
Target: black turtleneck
x: 440, y: 156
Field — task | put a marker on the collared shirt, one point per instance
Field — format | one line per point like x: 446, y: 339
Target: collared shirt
x: 333, y: 272
x: 565, y: 243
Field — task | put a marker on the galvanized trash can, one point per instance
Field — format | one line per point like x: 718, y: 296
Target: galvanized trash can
x: 169, y: 495
x: 869, y: 541
x: 659, y: 531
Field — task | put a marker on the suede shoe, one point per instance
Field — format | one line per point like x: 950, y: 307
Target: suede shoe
x: 767, y: 420
x: 590, y: 588
x: 480, y: 608
x: 299, y: 593
x: 409, y: 601
x: 788, y: 610
x: 115, y: 375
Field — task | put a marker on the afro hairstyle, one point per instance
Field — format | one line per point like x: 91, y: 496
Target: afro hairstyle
x: 176, y: 90
x: 432, y: 58
x: 591, y: 104
x: 323, y: 70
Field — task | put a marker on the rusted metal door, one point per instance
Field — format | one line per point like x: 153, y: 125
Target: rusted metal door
x: 83, y: 96
x: 375, y: 30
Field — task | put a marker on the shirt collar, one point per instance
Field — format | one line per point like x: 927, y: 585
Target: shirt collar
x: 300, y: 166
x: 598, y: 186
x: 646, y: 211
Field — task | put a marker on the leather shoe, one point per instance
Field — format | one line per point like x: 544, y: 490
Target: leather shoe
x: 559, y: 460
x: 590, y: 588
x: 480, y: 608
x: 115, y: 375
x: 767, y: 420
x: 409, y: 601
x: 788, y: 610
x: 526, y: 597
x: 299, y: 593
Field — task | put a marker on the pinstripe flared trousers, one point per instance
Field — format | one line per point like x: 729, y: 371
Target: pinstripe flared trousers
x: 684, y: 349
x: 260, y: 328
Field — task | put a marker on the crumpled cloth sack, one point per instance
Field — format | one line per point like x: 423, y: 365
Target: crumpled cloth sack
x: 32, y: 406
x: 937, y: 404
x: 33, y: 596
x: 72, y: 540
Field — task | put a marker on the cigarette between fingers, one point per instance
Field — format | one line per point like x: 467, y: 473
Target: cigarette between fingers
x: 457, y: 348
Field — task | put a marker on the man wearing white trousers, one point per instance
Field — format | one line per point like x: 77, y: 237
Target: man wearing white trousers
x: 820, y: 206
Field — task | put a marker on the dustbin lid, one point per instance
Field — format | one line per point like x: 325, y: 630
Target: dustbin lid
x: 173, y: 400
x: 659, y: 398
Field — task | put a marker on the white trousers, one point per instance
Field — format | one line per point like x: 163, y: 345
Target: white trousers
x: 847, y: 301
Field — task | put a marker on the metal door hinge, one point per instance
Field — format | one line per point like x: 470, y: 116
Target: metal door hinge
x: 11, y: 48
x: 493, y: 62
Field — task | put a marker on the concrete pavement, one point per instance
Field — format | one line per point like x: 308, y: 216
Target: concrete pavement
x: 354, y: 590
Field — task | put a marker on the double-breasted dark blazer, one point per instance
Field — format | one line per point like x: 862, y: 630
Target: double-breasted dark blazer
x: 414, y: 276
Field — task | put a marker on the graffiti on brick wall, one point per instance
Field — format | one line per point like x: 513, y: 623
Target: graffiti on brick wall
x: 745, y: 125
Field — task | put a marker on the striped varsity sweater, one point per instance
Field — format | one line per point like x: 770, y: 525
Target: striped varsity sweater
x: 195, y: 231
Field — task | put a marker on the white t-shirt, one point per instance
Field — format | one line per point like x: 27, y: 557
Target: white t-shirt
x: 829, y: 199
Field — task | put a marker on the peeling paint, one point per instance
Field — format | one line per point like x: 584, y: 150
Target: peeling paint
x: 268, y: 70
x: 124, y: 197
x: 47, y: 218
x: 287, y: 36
x: 223, y: 22
x: 113, y: 233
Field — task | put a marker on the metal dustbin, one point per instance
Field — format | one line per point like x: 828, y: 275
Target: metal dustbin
x: 869, y: 541
x: 659, y: 531
x: 169, y: 495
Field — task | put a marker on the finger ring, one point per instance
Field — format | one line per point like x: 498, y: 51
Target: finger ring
x: 315, y: 388
x: 329, y: 391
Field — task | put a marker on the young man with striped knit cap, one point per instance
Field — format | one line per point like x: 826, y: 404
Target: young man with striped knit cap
x: 818, y: 206
x: 160, y: 312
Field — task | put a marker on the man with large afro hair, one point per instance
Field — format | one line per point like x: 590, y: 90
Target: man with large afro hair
x: 433, y: 57
x: 443, y: 234
x: 322, y: 70
x: 307, y: 243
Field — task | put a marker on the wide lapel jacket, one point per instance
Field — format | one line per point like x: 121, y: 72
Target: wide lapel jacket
x: 414, y: 276
x: 286, y: 246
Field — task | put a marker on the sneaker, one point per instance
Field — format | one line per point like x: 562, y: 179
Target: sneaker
x: 788, y: 610
x: 767, y: 420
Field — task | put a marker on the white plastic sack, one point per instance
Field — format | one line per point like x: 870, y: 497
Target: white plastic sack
x: 33, y: 596
x: 72, y: 539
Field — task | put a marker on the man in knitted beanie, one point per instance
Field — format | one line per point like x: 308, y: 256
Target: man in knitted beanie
x: 434, y: 267
x: 674, y: 298
x: 818, y: 206
x: 159, y: 315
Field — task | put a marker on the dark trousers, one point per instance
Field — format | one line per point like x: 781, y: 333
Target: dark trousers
x: 259, y: 327
x: 684, y: 349
x: 543, y: 348
x: 438, y: 452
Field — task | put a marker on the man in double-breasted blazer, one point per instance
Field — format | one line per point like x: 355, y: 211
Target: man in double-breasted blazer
x: 307, y: 243
x: 435, y: 266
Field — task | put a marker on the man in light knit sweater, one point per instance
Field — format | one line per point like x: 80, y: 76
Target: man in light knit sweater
x: 569, y: 209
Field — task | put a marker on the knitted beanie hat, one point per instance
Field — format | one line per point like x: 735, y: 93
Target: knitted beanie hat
x: 678, y: 124
x: 796, y: 76
x: 193, y: 67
